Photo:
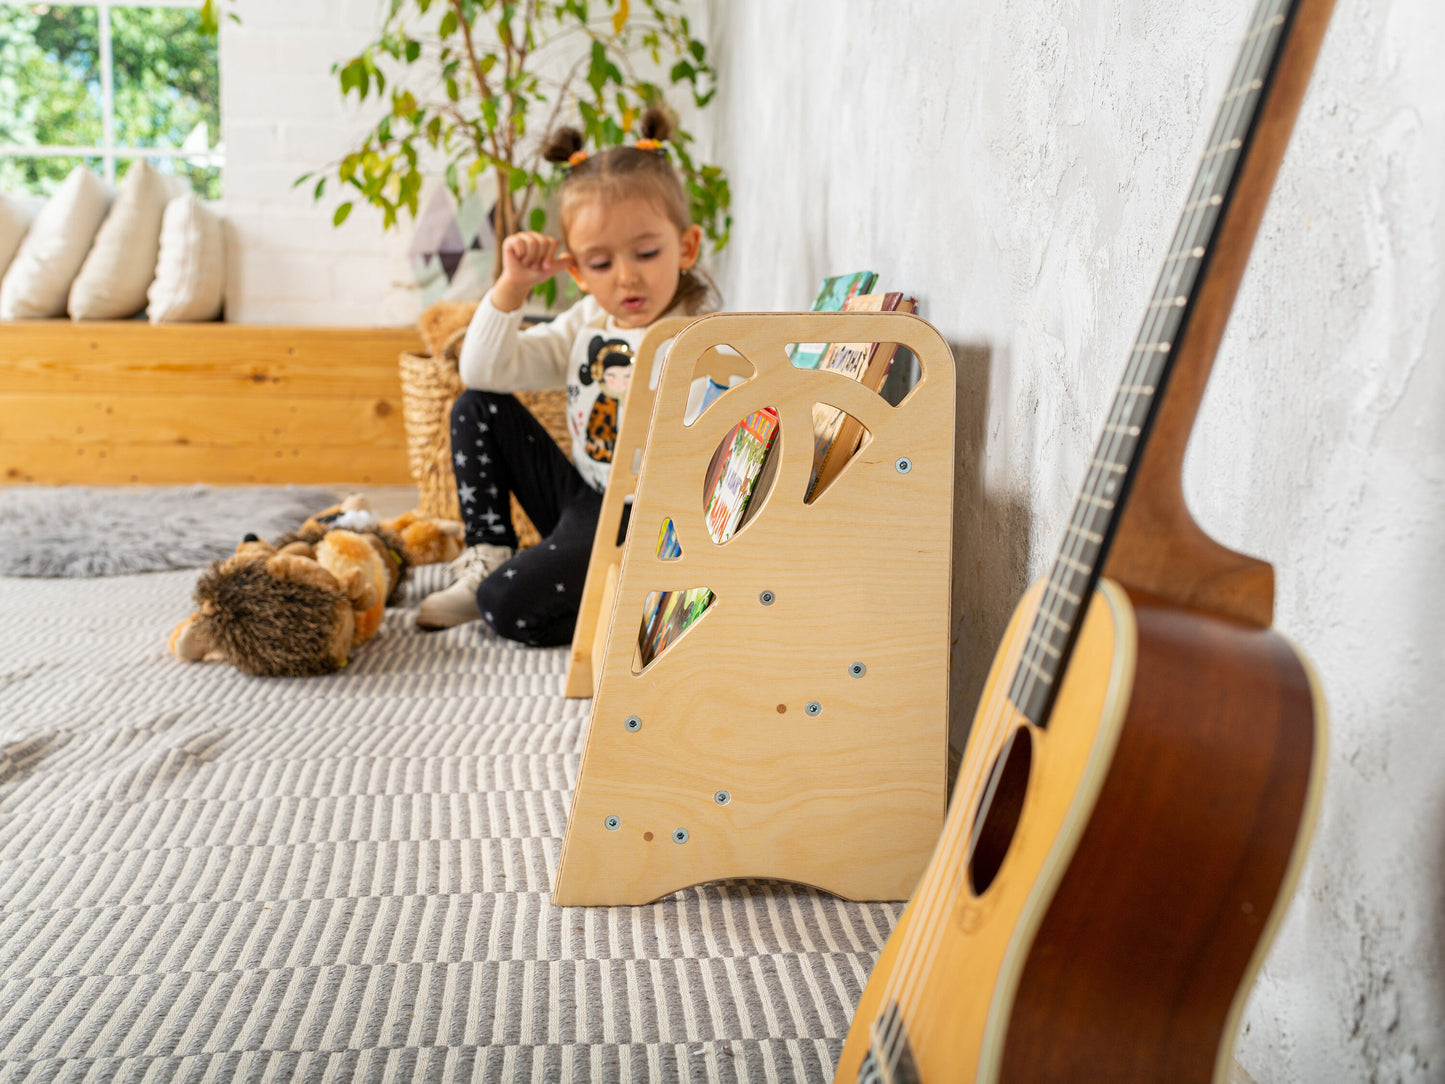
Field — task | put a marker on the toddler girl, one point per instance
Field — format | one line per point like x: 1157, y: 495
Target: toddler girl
x: 631, y: 247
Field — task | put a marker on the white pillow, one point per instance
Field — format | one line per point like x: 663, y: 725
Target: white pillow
x: 113, y: 280
x: 16, y: 214
x: 39, y: 279
x: 191, y: 271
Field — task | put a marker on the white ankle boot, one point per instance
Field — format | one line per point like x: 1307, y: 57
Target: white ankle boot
x: 457, y: 604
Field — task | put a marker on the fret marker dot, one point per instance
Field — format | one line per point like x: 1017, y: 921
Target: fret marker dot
x: 1235, y: 144
x: 1180, y: 302
x: 1164, y: 348
x: 1256, y: 84
x: 1199, y: 251
x: 1215, y: 201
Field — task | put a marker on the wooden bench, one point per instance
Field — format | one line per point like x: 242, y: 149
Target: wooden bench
x: 124, y: 402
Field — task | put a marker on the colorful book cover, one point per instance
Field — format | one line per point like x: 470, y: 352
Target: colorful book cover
x: 833, y: 295
x: 752, y: 440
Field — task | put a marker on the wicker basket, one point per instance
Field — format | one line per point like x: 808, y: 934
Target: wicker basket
x: 429, y: 387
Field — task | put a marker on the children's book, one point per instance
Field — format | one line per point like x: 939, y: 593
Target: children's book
x: 836, y: 433
x: 732, y: 481
x: 752, y: 440
x: 833, y: 295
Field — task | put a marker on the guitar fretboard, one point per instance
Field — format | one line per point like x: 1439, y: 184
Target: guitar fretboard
x: 1096, y: 512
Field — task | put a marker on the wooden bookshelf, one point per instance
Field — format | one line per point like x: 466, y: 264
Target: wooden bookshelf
x: 799, y: 729
x: 116, y: 402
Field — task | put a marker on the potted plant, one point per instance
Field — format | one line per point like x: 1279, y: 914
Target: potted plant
x: 471, y: 86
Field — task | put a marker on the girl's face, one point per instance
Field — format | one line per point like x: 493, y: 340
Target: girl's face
x: 628, y: 255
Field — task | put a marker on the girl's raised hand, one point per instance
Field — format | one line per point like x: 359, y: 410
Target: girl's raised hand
x: 531, y: 258
x: 527, y: 260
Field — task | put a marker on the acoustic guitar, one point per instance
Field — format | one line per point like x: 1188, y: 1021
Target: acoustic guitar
x: 1143, y: 772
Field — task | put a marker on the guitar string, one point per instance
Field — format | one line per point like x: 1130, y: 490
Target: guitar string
x: 1258, y: 44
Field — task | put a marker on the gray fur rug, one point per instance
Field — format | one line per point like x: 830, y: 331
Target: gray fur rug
x: 113, y: 531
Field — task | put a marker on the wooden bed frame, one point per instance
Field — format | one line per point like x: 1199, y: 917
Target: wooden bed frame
x: 115, y: 402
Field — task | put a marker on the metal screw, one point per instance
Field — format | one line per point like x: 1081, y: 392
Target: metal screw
x: 632, y: 722
x: 680, y: 835
x: 814, y: 708
x: 857, y: 669
x: 904, y: 464
x: 722, y: 797
x: 766, y: 598
x: 613, y: 823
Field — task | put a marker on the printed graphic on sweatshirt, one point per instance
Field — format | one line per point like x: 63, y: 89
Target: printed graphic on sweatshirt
x: 609, y: 368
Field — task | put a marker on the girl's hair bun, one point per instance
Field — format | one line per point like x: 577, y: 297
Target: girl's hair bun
x: 562, y: 145
x: 655, y: 123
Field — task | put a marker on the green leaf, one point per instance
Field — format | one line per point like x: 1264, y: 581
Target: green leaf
x: 448, y: 25
x: 413, y: 50
x: 341, y: 212
x: 320, y: 189
x: 697, y: 50
x: 537, y: 220
x: 597, y: 72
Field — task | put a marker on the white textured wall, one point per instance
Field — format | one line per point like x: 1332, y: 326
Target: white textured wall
x: 282, y: 115
x: 1020, y: 164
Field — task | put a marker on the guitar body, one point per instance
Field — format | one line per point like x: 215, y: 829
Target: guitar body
x: 1129, y: 872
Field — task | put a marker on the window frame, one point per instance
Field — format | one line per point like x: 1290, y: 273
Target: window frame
x: 107, y: 151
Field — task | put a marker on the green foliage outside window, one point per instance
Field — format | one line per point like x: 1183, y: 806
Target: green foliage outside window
x: 166, y: 83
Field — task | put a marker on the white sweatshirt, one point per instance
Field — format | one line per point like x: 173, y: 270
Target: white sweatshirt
x: 582, y: 350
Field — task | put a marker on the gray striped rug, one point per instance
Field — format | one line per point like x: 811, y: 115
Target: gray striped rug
x: 208, y: 876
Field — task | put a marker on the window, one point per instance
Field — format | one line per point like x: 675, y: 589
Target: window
x: 105, y: 82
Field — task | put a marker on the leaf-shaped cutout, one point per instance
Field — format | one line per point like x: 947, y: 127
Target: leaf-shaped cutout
x: 738, y: 477
x: 837, y: 438
x: 666, y: 617
x: 668, y: 547
x: 717, y: 371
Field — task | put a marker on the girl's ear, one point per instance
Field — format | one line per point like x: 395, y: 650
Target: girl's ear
x: 691, y: 246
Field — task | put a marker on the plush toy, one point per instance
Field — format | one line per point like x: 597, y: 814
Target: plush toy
x: 303, y: 606
x: 423, y: 540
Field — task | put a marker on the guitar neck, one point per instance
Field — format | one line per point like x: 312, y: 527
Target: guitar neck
x: 1180, y: 331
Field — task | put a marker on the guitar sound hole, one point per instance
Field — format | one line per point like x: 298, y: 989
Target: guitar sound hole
x: 995, y: 826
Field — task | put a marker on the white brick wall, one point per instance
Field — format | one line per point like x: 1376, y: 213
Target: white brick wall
x: 282, y: 115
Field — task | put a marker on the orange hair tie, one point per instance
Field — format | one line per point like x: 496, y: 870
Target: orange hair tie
x: 649, y: 145
x: 577, y: 158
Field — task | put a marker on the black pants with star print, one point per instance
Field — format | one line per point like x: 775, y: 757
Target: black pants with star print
x: 499, y: 448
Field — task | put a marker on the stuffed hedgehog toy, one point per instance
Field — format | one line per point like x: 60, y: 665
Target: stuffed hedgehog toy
x: 302, y: 607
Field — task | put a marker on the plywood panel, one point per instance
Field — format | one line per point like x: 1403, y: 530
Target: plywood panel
x: 800, y: 729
